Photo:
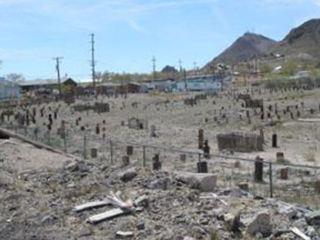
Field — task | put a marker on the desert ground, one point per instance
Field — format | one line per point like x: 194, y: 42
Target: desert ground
x: 40, y: 188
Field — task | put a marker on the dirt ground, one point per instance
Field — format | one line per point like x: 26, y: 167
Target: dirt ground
x: 39, y: 188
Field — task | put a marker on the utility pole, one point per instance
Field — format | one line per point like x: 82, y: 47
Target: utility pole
x: 180, y: 65
x: 195, y: 67
x: 58, y: 59
x: 180, y: 69
x: 154, y: 68
x: 93, y: 63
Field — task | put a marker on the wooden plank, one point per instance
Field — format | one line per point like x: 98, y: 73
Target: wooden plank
x: 300, y: 234
x: 106, y: 215
x: 90, y: 205
x: 124, y: 234
x: 309, y: 120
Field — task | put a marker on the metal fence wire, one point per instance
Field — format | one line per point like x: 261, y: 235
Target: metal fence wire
x: 290, y: 182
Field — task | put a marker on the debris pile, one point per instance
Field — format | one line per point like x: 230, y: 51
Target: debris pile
x: 91, y: 200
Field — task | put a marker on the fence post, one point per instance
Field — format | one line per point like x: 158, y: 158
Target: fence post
x: 111, y: 151
x: 65, y: 140
x: 270, y: 179
x: 144, y: 156
x: 84, y: 146
x: 49, y: 138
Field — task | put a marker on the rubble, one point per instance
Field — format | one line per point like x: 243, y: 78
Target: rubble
x: 259, y: 224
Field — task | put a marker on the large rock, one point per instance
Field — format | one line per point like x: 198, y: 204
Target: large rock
x: 128, y: 174
x: 205, y: 182
x: 162, y: 183
x: 313, y: 218
x: 259, y: 224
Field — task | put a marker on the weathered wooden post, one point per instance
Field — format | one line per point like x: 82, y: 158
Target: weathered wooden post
x: 156, y: 162
x: 144, y: 156
x: 94, y: 153
x: 84, y: 146
x: 65, y: 140
x: 258, y: 170
x: 129, y: 150
x: 284, y: 174
x: 111, y: 151
x: 270, y: 179
x: 97, y: 129
x: 183, y: 157
x: 125, y: 160
x: 200, y: 138
x: 317, y: 186
x: 280, y: 157
x: 206, y: 150
x: 262, y: 134
x: 274, y: 140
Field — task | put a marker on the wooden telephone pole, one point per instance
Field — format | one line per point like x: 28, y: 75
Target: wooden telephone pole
x: 58, y: 59
x: 93, y: 63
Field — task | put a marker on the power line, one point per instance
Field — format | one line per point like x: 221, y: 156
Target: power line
x: 58, y: 59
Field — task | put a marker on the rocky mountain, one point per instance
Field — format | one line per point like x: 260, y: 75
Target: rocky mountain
x: 301, y: 42
x: 244, y: 48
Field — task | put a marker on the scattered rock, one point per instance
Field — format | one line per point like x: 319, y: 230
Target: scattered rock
x: 313, y: 218
x: 162, y: 183
x: 128, y: 175
x: 259, y: 224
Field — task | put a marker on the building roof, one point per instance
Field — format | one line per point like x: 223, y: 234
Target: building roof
x: 36, y: 83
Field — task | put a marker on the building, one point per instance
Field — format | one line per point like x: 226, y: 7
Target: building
x: 9, y: 91
x: 45, y: 85
x: 207, y: 83
x: 161, y: 85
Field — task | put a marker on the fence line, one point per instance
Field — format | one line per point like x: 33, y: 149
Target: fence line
x: 271, y: 172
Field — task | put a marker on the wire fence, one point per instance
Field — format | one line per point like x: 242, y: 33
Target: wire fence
x: 289, y: 182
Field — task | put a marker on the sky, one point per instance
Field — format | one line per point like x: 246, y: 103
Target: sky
x: 129, y: 33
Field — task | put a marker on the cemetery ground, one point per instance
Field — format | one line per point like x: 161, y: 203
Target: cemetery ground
x: 146, y: 148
